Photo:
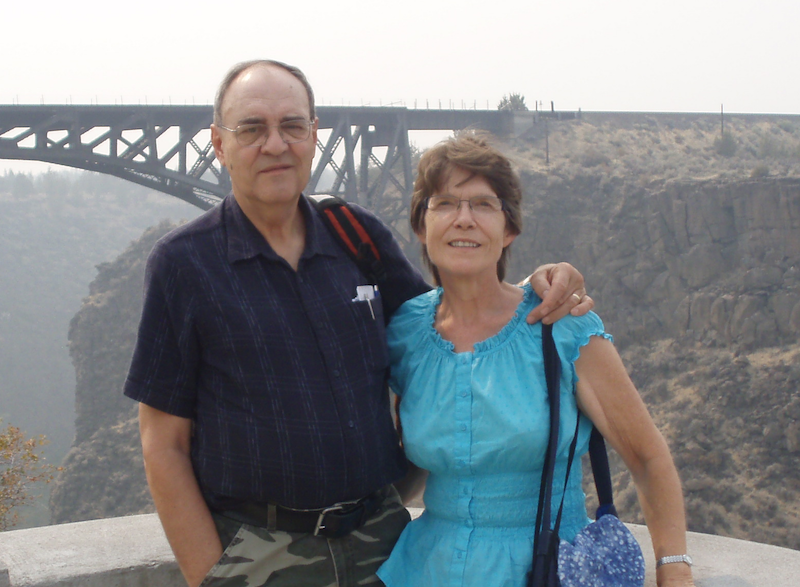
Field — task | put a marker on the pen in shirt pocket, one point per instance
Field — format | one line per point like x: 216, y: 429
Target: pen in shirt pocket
x: 366, y: 293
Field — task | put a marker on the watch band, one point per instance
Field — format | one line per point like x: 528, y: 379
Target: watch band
x: 676, y: 558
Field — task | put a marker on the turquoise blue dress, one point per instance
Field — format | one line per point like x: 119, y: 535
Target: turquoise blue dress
x: 478, y: 421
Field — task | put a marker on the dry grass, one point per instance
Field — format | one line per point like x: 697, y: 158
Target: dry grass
x: 727, y: 417
x: 657, y: 147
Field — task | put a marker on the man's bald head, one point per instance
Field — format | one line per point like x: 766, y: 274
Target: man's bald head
x: 240, y: 68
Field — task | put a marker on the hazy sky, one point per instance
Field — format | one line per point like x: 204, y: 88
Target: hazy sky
x: 617, y: 55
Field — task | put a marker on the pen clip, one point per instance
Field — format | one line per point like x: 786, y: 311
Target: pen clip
x: 366, y: 293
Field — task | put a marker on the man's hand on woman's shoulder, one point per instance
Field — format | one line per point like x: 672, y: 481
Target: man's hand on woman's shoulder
x: 562, y: 290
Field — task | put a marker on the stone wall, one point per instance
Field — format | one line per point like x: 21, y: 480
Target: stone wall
x: 133, y: 551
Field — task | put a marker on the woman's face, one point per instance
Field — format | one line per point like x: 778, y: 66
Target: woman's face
x: 462, y: 241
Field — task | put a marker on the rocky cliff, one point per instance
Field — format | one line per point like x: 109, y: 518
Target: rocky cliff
x: 697, y: 278
x: 718, y: 261
x: 732, y: 419
x: 103, y: 471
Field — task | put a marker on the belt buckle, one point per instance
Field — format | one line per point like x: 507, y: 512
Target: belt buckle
x: 338, y: 507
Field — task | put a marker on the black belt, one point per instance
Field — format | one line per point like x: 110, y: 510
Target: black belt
x: 332, y: 522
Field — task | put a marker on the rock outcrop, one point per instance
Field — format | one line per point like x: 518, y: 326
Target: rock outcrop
x: 698, y: 280
x: 732, y: 420
x: 718, y: 262
x: 103, y: 471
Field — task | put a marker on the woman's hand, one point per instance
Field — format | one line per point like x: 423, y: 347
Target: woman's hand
x: 562, y: 290
x: 676, y: 583
x: 674, y: 575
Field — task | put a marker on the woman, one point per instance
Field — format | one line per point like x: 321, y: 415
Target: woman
x: 474, y: 404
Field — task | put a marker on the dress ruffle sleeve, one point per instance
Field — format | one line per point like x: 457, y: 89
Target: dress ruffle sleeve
x: 404, y: 334
x: 572, y: 333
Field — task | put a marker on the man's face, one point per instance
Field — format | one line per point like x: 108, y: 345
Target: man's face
x: 274, y: 173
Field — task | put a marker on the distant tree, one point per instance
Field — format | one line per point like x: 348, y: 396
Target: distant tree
x: 725, y: 145
x: 18, y: 184
x: 20, y: 467
x: 512, y: 101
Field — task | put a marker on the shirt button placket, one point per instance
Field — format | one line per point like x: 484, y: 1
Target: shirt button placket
x: 463, y: 411
x: 463, y: 454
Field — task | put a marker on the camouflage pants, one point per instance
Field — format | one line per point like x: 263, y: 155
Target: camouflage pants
x: 257, y: 557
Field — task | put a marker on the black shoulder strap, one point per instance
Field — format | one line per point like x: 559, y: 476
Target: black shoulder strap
x: 602, y: 475
x: 351, y: 235
x: 546, y: 541
x: 597, y: 447
x: 552, y: 370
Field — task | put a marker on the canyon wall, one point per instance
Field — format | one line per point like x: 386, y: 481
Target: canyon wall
x: 697, y: 280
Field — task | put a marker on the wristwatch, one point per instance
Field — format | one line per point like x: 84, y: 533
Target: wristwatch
x: 676, y: 558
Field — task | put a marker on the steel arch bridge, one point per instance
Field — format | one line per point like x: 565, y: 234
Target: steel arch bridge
x: 366, y: 157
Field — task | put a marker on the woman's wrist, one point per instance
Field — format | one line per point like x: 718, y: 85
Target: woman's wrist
x: 674, y: 559
x: 674, y: 575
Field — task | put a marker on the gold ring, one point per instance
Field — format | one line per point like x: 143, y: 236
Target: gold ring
x: 577, y: 298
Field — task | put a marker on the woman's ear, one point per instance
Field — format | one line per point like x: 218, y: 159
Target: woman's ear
x: 421, y: 235
x: 508, y: 239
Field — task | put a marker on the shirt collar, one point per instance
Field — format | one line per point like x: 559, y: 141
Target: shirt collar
x: 245, y: 242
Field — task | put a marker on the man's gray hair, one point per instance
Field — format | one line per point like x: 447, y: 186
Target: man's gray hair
x: 240, y: 68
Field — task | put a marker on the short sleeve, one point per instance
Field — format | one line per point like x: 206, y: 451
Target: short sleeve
x: 163, y: 370
x: 405, y: 337
x: 571, y: 333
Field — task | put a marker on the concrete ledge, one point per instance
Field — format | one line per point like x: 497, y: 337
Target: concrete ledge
x: 727, y: 562
x: 115, y: 552
x: 133, y: 552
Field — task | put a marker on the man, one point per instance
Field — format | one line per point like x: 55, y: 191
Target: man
x: 260, y: 373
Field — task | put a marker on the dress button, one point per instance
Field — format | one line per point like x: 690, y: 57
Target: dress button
x: 463, y: 427
x: 351, y: 424
x: 336, y: 372
x: 460, y: 555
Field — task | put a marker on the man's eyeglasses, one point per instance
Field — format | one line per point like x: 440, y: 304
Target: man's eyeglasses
x: 482, y: 205
x: 291, y: 131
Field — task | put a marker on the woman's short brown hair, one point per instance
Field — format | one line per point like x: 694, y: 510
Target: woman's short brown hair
x: 471, y: 151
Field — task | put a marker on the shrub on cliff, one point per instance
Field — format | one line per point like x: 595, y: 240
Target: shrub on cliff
x: 725, y: 145
x: 21, y: 466
x: 512, y: 101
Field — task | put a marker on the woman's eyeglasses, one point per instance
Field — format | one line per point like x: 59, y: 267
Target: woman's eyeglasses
x: 482, y: 205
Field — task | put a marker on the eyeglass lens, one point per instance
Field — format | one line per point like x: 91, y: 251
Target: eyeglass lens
x: 478, y: 204
x: 291, y: 131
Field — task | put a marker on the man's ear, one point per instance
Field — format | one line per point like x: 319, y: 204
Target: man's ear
x: 216, y: 141
x: 314, y: 128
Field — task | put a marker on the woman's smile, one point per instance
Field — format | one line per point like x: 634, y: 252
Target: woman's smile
x: 480, y: 237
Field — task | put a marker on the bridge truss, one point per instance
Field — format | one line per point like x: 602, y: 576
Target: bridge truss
x: 364, y: 154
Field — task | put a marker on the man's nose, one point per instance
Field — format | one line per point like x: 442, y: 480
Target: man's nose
x: 273, y: 143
